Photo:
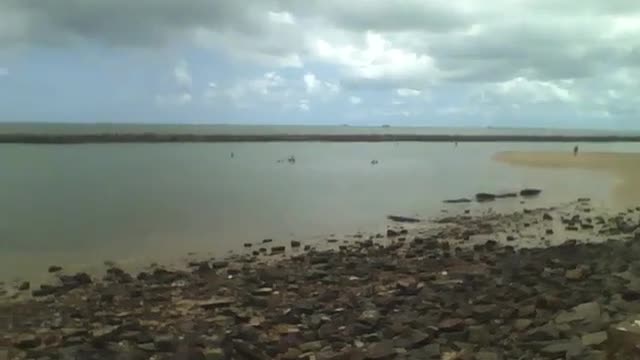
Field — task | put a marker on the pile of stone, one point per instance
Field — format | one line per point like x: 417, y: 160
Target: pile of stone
x: 419, y: 298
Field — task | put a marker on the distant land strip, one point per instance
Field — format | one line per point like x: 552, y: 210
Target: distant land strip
x: 185, y: 138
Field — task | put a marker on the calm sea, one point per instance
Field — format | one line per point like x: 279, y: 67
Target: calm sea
x: 79, y: 205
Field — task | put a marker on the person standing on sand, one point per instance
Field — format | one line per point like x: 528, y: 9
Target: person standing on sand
x: 575, y: 150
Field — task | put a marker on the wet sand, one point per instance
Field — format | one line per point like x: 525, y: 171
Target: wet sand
x: 624, y: 166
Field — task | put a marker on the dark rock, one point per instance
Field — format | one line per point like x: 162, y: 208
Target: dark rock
x: 249, y: 351
x: 549, y: 231
x: 25, y: 285
x: 482, y: 197
x: 543, y: 333
x: 45, y: 290
x: 27, y: 341
x: 219, y: 264
x: 392, y: 233
x: 248, y: 245
x: 267, y: 241
x: 566, y: 349
x: 547, y: 216
x: 380, y: 351
x: 457, y: 201
x: 413, y: 340
x: 277, y: 249
x: 594, y: 339
x: 54, y: 268
x: 530, y: 192
x: 506, y: 195
x: 76, y: 280
x: 451, y: 324
x: 406, y: 219
x: 165, y: 343
x: 295, y: 244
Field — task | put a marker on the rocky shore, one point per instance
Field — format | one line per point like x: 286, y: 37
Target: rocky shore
x: 554, y: 283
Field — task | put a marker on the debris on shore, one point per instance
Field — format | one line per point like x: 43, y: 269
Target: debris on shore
x: 462, y: 290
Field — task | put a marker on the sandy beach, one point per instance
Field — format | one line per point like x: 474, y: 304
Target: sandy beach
x: 624, y: 166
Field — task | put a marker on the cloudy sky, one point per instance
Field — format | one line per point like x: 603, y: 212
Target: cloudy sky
x: 531, y: 63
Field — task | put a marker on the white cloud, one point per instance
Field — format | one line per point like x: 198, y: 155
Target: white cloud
x: 281, y: 17
x: 303, y: 105
x: 378, y: 61
x: 311, y: 82
x: 182, y: 75
x: 548, y: 55
x: 355, y: 100
x: 313, y: 85
x: 522, y: 90
x: 407, y: 92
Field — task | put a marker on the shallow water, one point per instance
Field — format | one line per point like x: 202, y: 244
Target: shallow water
x: 78, y: 205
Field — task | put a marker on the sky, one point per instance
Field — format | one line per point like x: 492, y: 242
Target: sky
x: 515, y: 63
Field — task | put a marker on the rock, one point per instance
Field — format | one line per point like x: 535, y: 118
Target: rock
x: 25, y: 285
x: 457, y: 201
x: 406, y: 219
x: 413, y: 340
x: 530, y: 192
x: 576, y: 274
x: 522, y: 324
x: 75, y: 281
x: 482, y: 197
x: 487, y: 355
x: 249, y: 351
x: 431, y: 351
x: 479, y: 334
x: 292, y: 354
x: 549, y: 231
x: 217, y: 302
x: 547, y: 217
x: 380, y: 351
x: 295, y: 244
x: 45, y: 290
x: 165, y: 343
x: 267, y: 241
x: 510, y: 238
x: 311, y: 346
x: 248, y: 245
x: 277, y: 249
x: 587, y: 312
x: 451, y: 324
x: 594, y: 339
x: 54, y: 268
x: 262, y: 291
x: 543, y: 333
x: 392, y: 233
x: 214, y: 354
x: 147, y: 346
x: 370, y: 317
x: 26, y: 341
x: 219, y: 265
x: 506, y: 195
x: 566, y: 349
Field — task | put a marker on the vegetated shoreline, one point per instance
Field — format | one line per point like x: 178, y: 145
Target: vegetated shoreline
x: 169, y: 138
x: 533, y: 284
